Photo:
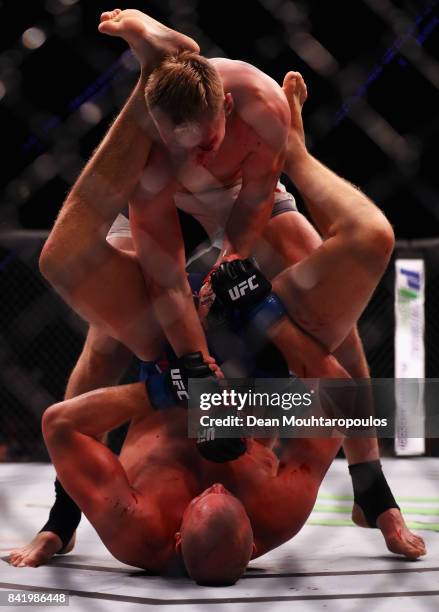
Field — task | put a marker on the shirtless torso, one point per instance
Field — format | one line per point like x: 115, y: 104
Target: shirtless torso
x: 160, y: 473
x: 256, y: 126
x: 250, y: 158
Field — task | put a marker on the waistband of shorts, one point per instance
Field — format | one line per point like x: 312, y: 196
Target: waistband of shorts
x: 283, y: 202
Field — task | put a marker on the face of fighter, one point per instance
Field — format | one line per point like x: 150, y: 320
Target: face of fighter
x: 196, y: 142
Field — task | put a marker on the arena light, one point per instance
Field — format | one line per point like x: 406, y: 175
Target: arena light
x: 90, y: 112
x: 33, y: 38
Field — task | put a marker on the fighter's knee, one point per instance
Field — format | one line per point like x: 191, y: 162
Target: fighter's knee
x: 48, y: 262
x: 384, y: 236
x: 369, y: 235
x: 376, y: 238
x: 54, y: 421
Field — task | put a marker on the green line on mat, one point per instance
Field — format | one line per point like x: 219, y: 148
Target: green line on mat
x: 407, y: 499
x: 348, y: 510
x: 347, y: 523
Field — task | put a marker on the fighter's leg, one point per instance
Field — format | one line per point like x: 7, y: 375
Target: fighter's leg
x: 102, y: 284
x: 149, y: 39
x: 288, y: 239
x: 359, y: 451
x: 358, y: 241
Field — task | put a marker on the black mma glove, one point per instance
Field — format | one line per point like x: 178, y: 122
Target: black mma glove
x: 240, y: 284
x: 219, y: 450
x: 170, y: 388
x: 241, y: 287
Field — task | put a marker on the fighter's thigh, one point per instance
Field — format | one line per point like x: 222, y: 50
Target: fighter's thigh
x: 100, y: 348
x: 287, y: 239
x: 326, y: 292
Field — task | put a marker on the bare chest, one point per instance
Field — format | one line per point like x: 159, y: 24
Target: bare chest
x: 223, y: 169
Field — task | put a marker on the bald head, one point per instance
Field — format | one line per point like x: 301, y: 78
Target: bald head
x: 216, y: 538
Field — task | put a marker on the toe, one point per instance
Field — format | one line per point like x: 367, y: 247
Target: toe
x: 106, y: 16
x: 15, y: 561
x: 108, y: 26
x: 290, y: 82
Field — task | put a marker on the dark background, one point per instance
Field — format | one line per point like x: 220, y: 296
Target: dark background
x: 383, y: 138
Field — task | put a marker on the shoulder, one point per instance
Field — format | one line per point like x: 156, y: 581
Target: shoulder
x: 244, y: 80
x: 259, y: 101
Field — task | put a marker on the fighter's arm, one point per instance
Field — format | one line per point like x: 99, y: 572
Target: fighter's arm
x: 160, y: 250
x: 86, y: 468
x: 252, y: 209
x: 265, y: 116
x: 102, y: 189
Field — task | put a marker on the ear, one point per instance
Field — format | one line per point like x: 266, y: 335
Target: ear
x: 177, y: 538
x: 228, y: 104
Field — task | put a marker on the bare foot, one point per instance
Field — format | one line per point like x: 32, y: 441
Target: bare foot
x: 399, y: 539
x: 149, y: 40
x: 40, y: 550
x: 296, y: 92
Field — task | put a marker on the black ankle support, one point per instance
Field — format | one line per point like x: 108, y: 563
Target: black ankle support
x: 64, y: 515
x: 371, y: 491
